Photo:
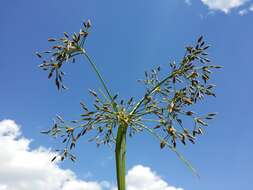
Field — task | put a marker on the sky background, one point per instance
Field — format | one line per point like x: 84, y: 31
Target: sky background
x: 127, y: 38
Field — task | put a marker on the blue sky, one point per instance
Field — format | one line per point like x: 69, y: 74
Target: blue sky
x: 127, y: 38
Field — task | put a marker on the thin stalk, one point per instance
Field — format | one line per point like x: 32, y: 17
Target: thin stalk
x: 174, y: 73
x: 186, y: 162
x: 98, y: 74
x: 149, y: 93
x: 151, y: 120
x: 100, y: 78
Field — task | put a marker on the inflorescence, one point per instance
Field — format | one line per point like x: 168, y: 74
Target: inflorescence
x: 167, y: 99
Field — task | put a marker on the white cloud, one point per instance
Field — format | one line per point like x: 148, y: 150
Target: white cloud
x: 81, y: 185
x: 142, y: 178
x: 24, y: 169
x: 223, y: 5
x: 188, y: 2
x: 243, y: 12
x: 251, y: 8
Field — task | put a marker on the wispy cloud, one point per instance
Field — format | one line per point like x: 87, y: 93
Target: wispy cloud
x: 223, y: 5
x: 243, y: 12
x: 188, y: 2
x: 251, y: 8
x: 226, y: 5
x: 23, y: 168
x: 246, y: 10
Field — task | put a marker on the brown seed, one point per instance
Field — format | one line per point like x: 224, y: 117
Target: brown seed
x: 93, y: 93
x: 156, y: 127
x: 171, y: 107
x: 83, y: 33
x: 201, y: 122
x: 162, y: 144
x: 189, y: 113
x: 193, y: 75
x: 187, y: 100
x: 88, y: 24
x: 69, y: 129
x: 51, y: 39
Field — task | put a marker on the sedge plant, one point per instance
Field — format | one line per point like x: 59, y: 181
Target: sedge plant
x: 168, y: 99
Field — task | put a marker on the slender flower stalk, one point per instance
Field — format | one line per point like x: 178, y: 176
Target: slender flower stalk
x: 98, y: 75
x: 168, y: 99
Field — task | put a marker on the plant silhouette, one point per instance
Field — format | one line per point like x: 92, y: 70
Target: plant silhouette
x: 167, y: 101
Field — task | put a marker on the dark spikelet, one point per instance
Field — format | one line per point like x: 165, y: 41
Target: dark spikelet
x: 92, y: 92
x: 63, y: 50
x: 88, y: 24
x: 162, y: 144
x: 51, y: 39
x: 200, y: 39
x: 54, y: 158
x: 38, y: 55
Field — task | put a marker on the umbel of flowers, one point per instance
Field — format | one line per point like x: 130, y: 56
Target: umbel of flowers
x: 169, y: 98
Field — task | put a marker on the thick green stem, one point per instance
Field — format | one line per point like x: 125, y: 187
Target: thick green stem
x: 120, y: 155
x: 123, y: 157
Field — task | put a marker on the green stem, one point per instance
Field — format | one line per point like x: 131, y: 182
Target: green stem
x: 98, y: 74
x: 186, y: 162
x: 120, y: 148
x: 120, y: 154
x: 123, y: 159
x: 100, y: 78
x: 118, y: 157
x: 149, y: 93
x: 173, y: 74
